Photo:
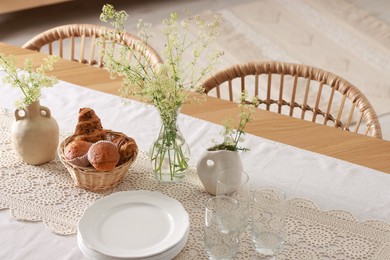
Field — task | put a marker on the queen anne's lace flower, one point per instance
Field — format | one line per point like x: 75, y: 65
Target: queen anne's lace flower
x: 232, y: 137
x: 29, y: 81
x: 165, y: 86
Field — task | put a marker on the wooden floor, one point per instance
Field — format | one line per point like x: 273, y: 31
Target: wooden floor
x: 7, y: 6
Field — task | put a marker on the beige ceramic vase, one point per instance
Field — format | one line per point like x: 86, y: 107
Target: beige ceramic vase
x: 211, y: 163
x: 35, y: 134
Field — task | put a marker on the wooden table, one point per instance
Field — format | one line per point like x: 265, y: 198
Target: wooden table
x: 367, y: 151
x: 311, y: 180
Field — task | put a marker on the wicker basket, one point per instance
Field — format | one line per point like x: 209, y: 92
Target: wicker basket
x: 90, y: 179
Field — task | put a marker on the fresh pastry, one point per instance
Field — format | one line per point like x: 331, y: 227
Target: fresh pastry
x: 89, y: 127
x: 127, y: 148
x: 76, y: 152
x: 103, y: 156
x: 76, y: 149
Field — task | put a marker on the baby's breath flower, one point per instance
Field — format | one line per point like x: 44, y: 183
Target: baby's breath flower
x: 29, y: 81
x: 232, y: 137
x: 167, y: 85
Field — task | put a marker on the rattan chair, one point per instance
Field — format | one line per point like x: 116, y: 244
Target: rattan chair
x: 78, y: 42
x: 299, y: 91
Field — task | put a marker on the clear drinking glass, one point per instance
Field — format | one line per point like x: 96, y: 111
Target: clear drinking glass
x: 235, y: 184
x: 268, y: 221
x: 221, y: 228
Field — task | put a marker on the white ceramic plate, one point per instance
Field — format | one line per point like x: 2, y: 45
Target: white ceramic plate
x: 169, y: 254
x: 133, y: 224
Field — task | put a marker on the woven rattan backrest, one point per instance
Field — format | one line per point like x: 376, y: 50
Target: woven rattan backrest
x: 78, y: 42
x: 298, y: 91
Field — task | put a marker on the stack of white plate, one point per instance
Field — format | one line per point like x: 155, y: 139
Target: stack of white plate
x: 133, y: 225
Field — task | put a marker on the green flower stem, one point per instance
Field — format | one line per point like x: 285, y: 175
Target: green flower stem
x: 13, y: 76
x: 167, y: 150
x: 232, y: 137
x: 31, y: 80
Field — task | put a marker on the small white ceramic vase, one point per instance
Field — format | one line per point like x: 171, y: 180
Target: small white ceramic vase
x: 211, y: 163
x: 35, y: 134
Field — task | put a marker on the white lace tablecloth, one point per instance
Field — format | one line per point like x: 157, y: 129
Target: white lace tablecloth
x: 46, y: 194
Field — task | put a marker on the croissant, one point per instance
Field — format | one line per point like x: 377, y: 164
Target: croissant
x: 127, y: 148
x: 89, y: 127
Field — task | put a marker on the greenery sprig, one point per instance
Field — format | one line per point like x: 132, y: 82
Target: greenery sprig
x: 231, y: 136
x: 165, y: 86
x: 30, y: 81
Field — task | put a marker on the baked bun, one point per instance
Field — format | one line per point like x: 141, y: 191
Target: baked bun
x: 76, y: 149
x: 127, y: 148
x: 76, y: 152
x: 89, y: 127
x: 103, y: 156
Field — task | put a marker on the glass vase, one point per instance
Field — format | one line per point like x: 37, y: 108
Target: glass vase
x: 170, y: 153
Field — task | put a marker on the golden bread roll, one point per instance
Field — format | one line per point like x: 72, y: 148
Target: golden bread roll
x: 76, y: 152
x: 103, y: 156
x: 76, y: 149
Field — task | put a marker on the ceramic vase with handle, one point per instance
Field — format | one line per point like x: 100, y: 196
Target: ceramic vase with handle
x: 35, y: 134
x: 211, y: 163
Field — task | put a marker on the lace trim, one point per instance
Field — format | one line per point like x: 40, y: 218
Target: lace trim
x: 46, y: 193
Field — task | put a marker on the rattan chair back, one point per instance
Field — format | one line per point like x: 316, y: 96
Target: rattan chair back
x: 299, y: 91
x: 79, y: 42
